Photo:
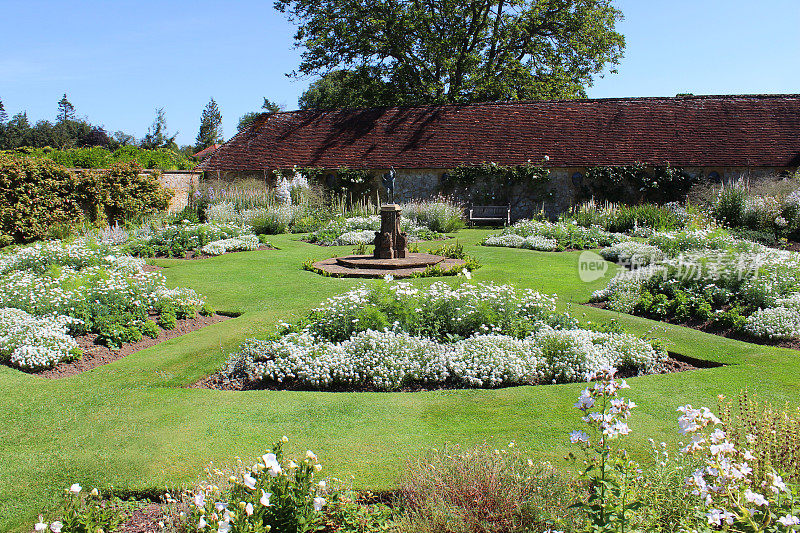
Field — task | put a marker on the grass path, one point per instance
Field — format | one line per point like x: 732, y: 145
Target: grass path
x: 134, y: 425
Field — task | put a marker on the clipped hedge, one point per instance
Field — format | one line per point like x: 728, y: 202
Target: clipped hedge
x: 37, y: 195
x: 99, y: 157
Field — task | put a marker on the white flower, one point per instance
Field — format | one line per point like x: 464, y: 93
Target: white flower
x: 311, y: 456
x: 200, y: 499
x: 201, y: 523
x: 94, y: 492
x: 75, y: 488
x: 467, y: 274
x: 789, y: 520
x: 756, y: 498
x: 221, y: 506
x: 284, y: 439
x: 265, y: 498
x: 248, y: 509
x: 323, y: 485
x: 41, y: 525
x: 319, y: 503
x: 223, y: 526
x: 578, y: 436
x: 56, y: 526
x: 717, y: 516
x: 249, y: 481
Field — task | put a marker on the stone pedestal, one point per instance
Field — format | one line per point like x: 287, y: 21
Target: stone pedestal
x: 390, y: 242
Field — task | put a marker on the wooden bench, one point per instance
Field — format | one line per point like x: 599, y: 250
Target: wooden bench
x: 489, y: 213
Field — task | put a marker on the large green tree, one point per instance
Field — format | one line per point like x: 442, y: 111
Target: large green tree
x: 210, y: 126
x: 447, y: 51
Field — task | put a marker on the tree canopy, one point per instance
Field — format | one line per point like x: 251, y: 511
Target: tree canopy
x: 157, y: 135
x: 248, y: 118
x: 387, y: 52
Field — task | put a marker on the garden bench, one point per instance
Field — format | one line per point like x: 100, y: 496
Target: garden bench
x: 490, y: 213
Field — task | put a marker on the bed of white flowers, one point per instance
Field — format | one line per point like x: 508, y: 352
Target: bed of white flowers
x: 234, y: 244
x: 553, y: 236
x: 176, y: 240
x: 361, y: 230
x: 481, y: 335
x: 711, y: 276
x: 48, y: 290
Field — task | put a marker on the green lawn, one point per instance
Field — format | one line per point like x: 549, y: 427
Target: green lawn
x: 134, y: 425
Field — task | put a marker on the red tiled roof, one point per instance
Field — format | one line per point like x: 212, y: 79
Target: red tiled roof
x: 749, y: 131
x: 205, y: 152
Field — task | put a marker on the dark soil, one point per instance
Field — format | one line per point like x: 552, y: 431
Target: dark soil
x: 715, y: 329
x: 675, y: 363
x: 144, y: 519
x: 95, y: 355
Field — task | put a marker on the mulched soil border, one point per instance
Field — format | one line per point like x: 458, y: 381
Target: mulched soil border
x: 675, y: 363
x: 706, y: 326
x: 97, y: 355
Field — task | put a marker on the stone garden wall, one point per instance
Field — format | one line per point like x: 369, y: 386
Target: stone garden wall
x: 181, y: 183
x: 526, y: 200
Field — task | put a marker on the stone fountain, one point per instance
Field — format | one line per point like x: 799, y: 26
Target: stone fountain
x: 391, y: 255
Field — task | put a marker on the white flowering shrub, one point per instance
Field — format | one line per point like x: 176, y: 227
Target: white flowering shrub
x: 544, y: 235
x: 727, y: 484
x: 177, y: 240
x: 632, y: 253
x: 275, y: 494
x: 711, y: 277
x: 387, y: 338
x: 234, y: 244
x: 438, y: 215
x: 100, y: 292
x: 34, y: 343
x: 366, y: 236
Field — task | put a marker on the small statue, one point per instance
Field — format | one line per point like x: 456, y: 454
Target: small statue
x: 388, y: 183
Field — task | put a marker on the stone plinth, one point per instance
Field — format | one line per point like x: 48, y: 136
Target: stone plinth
x: 390, y: 242
x: 366, y: 266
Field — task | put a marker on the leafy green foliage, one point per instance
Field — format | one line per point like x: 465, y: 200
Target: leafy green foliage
x: 452, y: 51
x: 636, y: 183
x: 100, y: 157
x: 495, y: 181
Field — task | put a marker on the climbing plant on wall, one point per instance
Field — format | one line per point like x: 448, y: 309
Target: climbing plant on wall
x: 637, y: 183
x: 492, y: 183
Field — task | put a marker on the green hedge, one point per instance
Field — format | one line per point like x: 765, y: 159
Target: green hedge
x: 99, y: 157
x: 38, y: 195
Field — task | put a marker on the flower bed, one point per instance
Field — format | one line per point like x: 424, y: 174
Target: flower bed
x: 234, y: 244
x: 397, y: 336
x: 180, y: 239
x: 361, y: 230
x: 714, y: 281
x: 553, y: 236
x: 56, y: 288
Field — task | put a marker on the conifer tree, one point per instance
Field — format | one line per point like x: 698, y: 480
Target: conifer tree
x: 210, y: 126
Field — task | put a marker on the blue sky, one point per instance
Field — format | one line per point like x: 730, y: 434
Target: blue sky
x: 119, y: 60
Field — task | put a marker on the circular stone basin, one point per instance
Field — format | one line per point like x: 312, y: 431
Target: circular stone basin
x: 366, y: 266
x: 409, y: 261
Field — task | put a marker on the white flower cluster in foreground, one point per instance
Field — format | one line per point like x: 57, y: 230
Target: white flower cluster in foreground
x: 532, y: 242
x: 544, y: 235
x: 35, y: 342
x: 234, y: 244
x: 389, y: 360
